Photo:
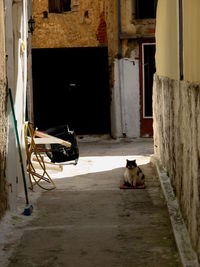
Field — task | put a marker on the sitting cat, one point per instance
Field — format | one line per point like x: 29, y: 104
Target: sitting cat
x: 133, y: 175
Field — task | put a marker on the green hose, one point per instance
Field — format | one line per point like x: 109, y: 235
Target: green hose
x: 19, y: 148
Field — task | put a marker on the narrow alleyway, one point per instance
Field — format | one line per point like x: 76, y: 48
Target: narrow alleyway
x: 89, y: 222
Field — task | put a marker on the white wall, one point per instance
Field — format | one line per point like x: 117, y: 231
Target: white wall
x: 132, y: 97
x: 16, y: 34
x: 125, y: 107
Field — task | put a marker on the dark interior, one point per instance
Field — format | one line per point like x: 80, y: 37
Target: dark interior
x: 149, y: 70
x: 71, y: 86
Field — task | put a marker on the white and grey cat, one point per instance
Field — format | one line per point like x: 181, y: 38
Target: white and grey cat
x: 133, y: 175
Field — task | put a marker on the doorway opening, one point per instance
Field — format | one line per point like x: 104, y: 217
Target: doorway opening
x: 147, y: 70
x: 71, y: 86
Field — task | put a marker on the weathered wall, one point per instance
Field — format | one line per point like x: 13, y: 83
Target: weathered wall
x: 176, y: 107
x: 100, y: 27
x: 84, y: 26
x: 125, y: 100
x: 3, y: 120
x: 132, y: 33
x: 74, y: 29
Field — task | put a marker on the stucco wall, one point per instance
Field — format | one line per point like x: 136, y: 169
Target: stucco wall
x: 176, y: 107
x: 167, y: 55
x: 191, y: 39
x: 167, y: 38
x: 3, y: 120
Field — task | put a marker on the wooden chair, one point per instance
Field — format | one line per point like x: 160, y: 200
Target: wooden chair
x: 34, y: 143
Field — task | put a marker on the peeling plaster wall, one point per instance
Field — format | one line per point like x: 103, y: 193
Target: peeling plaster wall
x: 132, y: 26
x: 73, y: 29
x: 176, y: 108
x: 127, y: 85
x: 3, y: 117
x: 70, y: 29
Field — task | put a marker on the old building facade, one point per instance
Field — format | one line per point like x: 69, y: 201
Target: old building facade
x: 72, y: 43
x: 98, y: 48
x: 135, y: 68
x: 176, y: 104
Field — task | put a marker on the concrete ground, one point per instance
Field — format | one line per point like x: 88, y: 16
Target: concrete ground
x: 88, y: 221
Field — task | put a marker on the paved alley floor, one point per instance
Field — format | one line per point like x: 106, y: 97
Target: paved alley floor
x: 87, y: 221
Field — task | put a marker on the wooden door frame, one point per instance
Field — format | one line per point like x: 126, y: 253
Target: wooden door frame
x: 145, y: 122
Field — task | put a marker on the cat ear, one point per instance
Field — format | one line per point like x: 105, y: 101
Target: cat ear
x: 134, y: 161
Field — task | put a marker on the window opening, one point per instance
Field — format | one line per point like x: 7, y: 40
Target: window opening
x: 148, y: 62
x: 59, y: 6
x: 145, y: 9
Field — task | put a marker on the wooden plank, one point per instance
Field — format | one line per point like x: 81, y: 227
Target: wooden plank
x: 49, y: 139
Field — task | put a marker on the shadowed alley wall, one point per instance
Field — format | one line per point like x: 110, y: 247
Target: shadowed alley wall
x: 3, y: 119
x: 176, y: 106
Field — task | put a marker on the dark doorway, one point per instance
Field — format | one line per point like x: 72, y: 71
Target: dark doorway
x: 71, y: 86
x: 147, y: 70
x: 146, y: 9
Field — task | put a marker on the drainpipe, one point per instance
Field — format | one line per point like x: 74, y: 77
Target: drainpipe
x: 181, y: 39
x: 119, y: 29
x: 24, y: 39
x: 30, y: 81
x: 121, y: 74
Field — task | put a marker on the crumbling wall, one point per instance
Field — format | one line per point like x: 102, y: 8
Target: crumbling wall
x: 3, y: 120
x: 88, y: 24
x: 84, y: 26
x: 176, y: 108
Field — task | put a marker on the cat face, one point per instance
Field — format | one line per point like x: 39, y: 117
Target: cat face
x: 131, y: 164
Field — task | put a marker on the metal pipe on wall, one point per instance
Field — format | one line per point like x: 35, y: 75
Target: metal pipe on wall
x: 30, y: 81
x: 121, y: 74
x: 180, y: 39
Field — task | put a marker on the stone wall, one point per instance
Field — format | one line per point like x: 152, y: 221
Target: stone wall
x: 176, y: 108
x: 84, y: 26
